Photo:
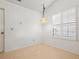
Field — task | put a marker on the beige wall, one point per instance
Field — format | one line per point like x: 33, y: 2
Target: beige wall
x: 29, y: 32
x: 59, y: 6
x: 22, y: 35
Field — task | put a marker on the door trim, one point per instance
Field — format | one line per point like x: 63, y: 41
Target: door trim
x: 3, y: 29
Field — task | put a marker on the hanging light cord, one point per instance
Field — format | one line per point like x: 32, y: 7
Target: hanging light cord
x: 43, y: 10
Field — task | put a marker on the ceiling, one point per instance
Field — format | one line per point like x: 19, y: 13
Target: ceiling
x: 33, y: 4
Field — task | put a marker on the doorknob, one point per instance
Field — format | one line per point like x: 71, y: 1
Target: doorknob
x: 2, y: 32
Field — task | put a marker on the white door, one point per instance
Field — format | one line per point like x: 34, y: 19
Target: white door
x: 1, y: 30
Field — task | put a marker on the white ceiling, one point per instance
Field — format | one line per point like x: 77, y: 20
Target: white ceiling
x: 33, y: 4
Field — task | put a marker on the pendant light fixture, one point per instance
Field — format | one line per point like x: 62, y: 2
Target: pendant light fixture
x: 44, y: 19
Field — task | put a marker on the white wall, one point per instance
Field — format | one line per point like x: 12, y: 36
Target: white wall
x: 29, y: 32
x: 22, y: 35
x: 59, y: 6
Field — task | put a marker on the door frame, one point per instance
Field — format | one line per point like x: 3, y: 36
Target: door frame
x: 3, y: 29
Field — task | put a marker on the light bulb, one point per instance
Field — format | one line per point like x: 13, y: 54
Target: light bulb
x: 44, y: 20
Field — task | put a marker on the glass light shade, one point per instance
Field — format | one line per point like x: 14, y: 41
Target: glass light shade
x: 44, y: 20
